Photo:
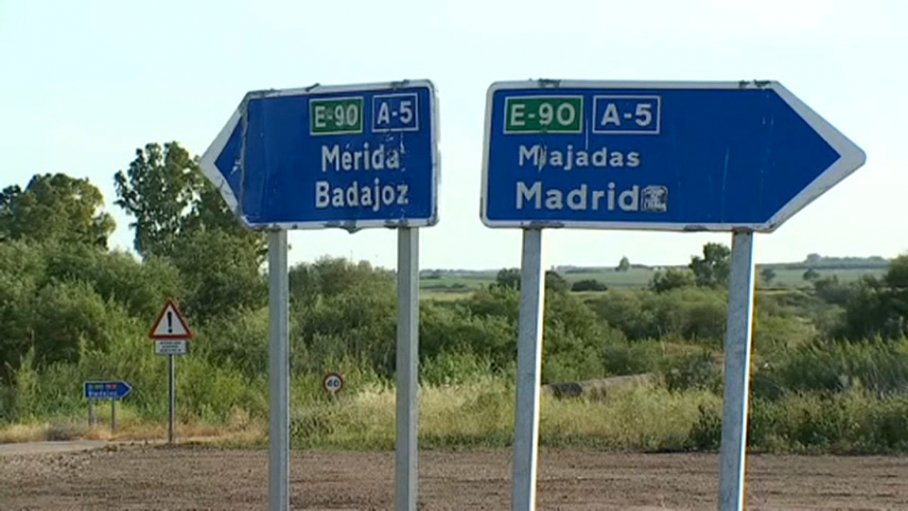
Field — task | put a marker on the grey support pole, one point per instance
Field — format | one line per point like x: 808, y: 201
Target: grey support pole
x: 738, y: 338
x: 405, y: 465
x: 171, y: 397
x: 529, y: 364
x: 278, y: 373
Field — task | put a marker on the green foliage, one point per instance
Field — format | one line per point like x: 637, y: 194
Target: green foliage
x: 693, y: 371
x: 588, y: 285
x: 115, y: 276
x: 712, y: 270
x: 221, y: 275
x: 624, y: 264
x: 55, y: 207
x: 768, y: 275
x: 877, y: 366
x: 508, y: 278
x: 158, y: 189
x: 555, y: 282
x: 878, y: 307
x: 829, y: 370
x: 848, y: 422
x: 180, y: 217
x: 672, y: 278
x: 690, y: 313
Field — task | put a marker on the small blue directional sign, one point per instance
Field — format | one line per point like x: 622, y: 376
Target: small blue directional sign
x: 675, y: 156
x: 340, y: 156
x: 106, y: 389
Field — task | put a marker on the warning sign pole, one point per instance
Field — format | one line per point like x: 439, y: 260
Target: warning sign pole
x: 170, y: 333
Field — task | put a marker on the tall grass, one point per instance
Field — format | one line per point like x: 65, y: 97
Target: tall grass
x: 472, y: 412
x: 817, y: 396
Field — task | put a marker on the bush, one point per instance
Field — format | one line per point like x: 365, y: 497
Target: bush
x: 693, y: 371
x: 878, y: 366
x: 588, y: 285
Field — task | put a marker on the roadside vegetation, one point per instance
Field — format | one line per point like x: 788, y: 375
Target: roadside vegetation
x: 830, y: 366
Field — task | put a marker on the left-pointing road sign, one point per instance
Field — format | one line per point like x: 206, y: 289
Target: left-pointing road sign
x: 677, y: 156
x: 106, y: 389
x: 338, y: 156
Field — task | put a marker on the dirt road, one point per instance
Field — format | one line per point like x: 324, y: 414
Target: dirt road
x: 186, y: 478
x: 50, y: 447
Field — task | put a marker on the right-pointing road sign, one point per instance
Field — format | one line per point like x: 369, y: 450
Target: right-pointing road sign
x: 676, y: 156
x: 114, y: 389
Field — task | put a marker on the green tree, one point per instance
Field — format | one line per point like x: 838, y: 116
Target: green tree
x: 508, y: 278
x: 811, y: 275
x: 624, y: 264
x: 21, y: 276
x: 672, y: 278
x: 116, y: 276
x: 221, y: 276
x: 180, y: 216
x: 555, y: 282
x: 8, y: 200
x: 168, y: 196
x: 330, y: 276
x: 879, y: 306
x: 712, y: 270
x: 896, y: 280
x: 159, y: 189
x: 588, y: 285
x: 55, y: 207
x: 768, y: 275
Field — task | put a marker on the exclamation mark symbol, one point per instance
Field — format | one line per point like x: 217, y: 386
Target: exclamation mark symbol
x: 169, y: 322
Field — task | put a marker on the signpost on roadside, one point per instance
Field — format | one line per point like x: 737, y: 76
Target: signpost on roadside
x: 348, y: 157
x: 171, y: 334
x: 739, y: 157
x: 113, y: 390
x: 333, y: 383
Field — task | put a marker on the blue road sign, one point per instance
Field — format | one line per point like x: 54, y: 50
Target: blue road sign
x: 106, y: 389
x: 340, y: 156
x: 674, y: 156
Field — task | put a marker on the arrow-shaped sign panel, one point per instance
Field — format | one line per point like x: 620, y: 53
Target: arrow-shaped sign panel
x: 106, y: 389
x: 349, y: 156
x: 675, y: 156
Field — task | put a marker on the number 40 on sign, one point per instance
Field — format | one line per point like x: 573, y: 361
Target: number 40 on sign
x: 332, y: 383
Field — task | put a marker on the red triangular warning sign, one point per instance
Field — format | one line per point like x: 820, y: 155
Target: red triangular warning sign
x: 170, y: 324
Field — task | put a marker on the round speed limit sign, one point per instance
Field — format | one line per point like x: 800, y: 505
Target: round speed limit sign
x: 333, y: 382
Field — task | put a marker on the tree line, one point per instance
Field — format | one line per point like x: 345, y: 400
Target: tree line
x: 72, y: 309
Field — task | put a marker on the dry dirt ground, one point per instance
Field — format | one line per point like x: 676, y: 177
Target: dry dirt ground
x: 196, y: 478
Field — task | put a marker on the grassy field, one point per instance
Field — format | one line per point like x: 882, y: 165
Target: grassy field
x: 450, y: 287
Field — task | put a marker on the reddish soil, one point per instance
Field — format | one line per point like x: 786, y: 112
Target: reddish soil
x: 195, y: 478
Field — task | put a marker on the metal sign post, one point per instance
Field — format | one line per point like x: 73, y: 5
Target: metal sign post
x: 405, y: 462
x: 278, y: 371
x: 529, y: 369
x: 364, y: 156
x: 171, y: 333
x: 740, y: 156
x: 738, y: 337
x: 112, y: 390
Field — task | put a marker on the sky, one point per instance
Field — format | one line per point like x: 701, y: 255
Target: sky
x: 84, y: 84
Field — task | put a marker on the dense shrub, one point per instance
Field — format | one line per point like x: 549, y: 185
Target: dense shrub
x: 829, y: 370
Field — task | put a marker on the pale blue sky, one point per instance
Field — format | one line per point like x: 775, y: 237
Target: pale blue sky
x: 84, y: 83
